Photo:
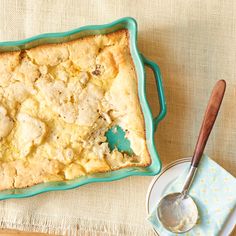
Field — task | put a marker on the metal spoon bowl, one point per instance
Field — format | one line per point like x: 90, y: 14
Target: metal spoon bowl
x: 178, y: 212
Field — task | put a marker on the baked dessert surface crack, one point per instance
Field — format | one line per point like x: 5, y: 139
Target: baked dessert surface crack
x: 57, y: 101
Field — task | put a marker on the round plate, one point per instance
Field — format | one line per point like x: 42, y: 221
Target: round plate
x: 169, y: 174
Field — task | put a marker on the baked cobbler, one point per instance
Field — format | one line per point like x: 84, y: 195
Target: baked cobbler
x: 56, y: 103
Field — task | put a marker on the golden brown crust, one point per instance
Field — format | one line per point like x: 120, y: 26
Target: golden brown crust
x: 56, y: 103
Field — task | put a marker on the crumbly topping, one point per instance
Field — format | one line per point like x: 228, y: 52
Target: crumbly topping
x: 56, y: 103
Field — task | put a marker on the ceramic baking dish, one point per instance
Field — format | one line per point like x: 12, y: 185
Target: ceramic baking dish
x: 150, y: 122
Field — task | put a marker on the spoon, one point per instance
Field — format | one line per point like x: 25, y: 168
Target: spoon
x: 178, y: 212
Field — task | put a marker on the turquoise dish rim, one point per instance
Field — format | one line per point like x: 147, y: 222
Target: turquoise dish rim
x: 150, y: 123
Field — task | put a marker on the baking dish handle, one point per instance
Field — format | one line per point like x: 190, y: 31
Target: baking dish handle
x: 162, y: 102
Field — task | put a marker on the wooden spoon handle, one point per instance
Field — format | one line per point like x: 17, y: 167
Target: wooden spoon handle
x: 209, y: 120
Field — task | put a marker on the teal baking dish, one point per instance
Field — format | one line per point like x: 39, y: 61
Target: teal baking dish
x: 150, y: 122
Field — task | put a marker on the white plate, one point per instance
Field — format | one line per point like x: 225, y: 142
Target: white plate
x: 166, y: 177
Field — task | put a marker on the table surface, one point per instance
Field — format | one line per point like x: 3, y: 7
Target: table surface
x: 194, y: 43
x: 7, y: 232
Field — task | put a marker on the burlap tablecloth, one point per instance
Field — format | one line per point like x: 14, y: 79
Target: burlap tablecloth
x: 194, y: 42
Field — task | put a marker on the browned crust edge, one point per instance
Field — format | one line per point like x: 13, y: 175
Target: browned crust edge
x: 148, y: 160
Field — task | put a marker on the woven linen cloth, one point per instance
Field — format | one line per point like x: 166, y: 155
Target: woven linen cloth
x: 194, y: 43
